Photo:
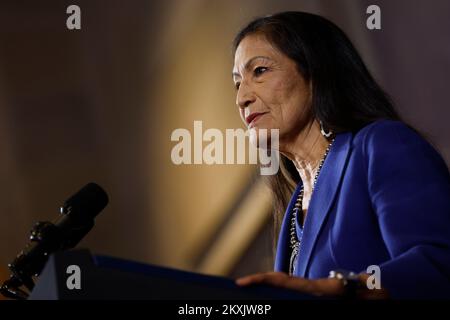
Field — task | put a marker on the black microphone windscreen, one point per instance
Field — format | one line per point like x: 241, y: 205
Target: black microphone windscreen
x: 86, y: 203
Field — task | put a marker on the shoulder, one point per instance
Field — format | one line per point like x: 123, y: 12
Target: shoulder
x: 387, y: 131
x: 394, y: 144
x: 388, y: 136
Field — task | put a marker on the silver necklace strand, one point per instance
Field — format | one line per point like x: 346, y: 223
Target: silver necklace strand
x: 294, y: 241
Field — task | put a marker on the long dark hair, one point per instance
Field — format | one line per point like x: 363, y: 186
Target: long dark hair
x: 345, y: 95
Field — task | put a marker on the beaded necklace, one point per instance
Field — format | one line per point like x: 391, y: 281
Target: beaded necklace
x: 296, y: 239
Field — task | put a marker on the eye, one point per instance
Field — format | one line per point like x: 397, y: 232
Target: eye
x: 259, y: 70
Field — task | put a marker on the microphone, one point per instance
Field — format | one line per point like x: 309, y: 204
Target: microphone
x: 76, y: 219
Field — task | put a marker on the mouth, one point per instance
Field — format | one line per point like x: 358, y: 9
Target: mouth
x: 253, y: 117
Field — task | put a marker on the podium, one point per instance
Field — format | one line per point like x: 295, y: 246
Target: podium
x: 108, y: 278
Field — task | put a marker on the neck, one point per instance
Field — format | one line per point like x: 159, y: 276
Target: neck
x: 306, y: 150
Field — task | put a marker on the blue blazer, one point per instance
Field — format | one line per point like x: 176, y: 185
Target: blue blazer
x: 382, y: 198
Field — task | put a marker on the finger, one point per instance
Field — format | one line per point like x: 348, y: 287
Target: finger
x: 278, y: 279
x: 319, y: 287
x: 291, y: 283
x: 259, y: 278
x: 327, y: 287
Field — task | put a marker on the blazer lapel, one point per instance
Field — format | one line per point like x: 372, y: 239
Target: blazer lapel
x: 322, y: 198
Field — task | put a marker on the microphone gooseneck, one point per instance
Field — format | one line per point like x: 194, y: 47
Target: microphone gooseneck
x: 76, y: 219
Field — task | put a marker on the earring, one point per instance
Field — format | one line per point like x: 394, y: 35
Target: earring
x: 325, y: 134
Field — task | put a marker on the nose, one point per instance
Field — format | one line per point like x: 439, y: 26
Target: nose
x: 245, y: 96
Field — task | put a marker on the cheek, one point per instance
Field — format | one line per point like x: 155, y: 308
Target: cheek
x: 281, y: 101
x: 282, y: 89
x: 273, y: 97
x: 289, y: 105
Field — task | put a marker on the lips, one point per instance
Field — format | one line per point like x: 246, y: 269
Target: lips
x: 253, y: 117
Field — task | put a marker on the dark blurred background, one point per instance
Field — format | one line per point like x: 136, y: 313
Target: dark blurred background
x: 100, y: 104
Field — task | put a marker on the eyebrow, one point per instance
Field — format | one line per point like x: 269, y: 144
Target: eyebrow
x: 248, y: 63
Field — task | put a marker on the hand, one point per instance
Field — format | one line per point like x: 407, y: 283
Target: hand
x: 318, y: 287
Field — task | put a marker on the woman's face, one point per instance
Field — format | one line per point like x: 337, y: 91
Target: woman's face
x: 271, y: 92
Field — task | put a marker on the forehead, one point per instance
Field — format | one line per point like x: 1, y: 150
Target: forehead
x: 251, y: 46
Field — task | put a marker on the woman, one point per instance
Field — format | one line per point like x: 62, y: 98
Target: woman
x: 357, y: 188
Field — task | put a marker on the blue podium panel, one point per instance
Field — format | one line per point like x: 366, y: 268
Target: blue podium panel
x: 78, y: 275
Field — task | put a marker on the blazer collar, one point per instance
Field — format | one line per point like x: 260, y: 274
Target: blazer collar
x: 320, y: 205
